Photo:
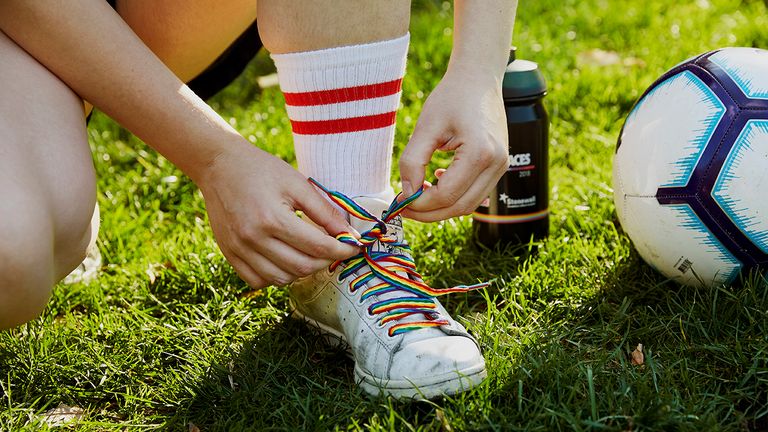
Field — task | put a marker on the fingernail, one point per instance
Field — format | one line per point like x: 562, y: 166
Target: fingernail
x: 407, y: 189
x: 354, y: 232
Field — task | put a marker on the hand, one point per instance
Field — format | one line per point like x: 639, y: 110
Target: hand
x: 463, y: 114
x: 252, y: 198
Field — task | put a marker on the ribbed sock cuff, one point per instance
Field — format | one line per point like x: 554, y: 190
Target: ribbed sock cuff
x: 342, y: 104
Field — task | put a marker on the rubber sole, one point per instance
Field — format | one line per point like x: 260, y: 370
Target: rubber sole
x: 445, y: 385
x: 427, y: 388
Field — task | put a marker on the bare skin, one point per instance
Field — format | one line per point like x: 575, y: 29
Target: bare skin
x: 45, y: 166
x: 187, y: 35
x: 287, y: 27
x: 84, y: 50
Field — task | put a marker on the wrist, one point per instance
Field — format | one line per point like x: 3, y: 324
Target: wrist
x: 482, y: 35
x: 217, y: 169
x: 202, y: 164
x: 465, y: 67
x: 466, y: 72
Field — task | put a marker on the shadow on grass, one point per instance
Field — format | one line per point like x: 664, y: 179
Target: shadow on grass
x: 290, y: 374
x: 572, y: 361
x: 475, y: 263
x: 294, y: 379
x: 576, y: 363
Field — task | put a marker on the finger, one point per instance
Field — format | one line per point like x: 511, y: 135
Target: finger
x: 267, y: 270
x: 439, y: 172
x: 247, y: 250
x: 312, y: 241
x: 425, y: 184
x: 245, y: 272
x: 454, y: 182
x: 290, y: 260
x: 417, y: 154
x: 466, y: 204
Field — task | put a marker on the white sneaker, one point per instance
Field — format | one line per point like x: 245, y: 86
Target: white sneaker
x: 87, y: 270
x: 404, y: 343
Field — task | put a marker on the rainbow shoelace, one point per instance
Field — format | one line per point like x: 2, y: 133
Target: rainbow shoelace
x: 385, y: 265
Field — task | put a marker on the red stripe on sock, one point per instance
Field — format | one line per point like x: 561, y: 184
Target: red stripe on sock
x: 348, y: 94
x: 352, y: 124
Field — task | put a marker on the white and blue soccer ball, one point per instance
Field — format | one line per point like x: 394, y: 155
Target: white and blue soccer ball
x: 690, y: 173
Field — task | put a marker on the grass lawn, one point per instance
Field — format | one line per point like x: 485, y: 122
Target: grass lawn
x: 168, y: 334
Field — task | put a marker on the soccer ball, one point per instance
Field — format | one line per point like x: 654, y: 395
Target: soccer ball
x: 690, y: 174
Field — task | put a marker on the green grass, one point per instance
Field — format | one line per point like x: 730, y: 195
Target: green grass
x: 193, y: 344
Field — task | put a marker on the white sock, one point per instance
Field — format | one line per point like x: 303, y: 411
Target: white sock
x: 342, y: 104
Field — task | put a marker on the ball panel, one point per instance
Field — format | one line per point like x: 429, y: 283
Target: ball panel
x: 672, y: 239
x: 741, y: 181
x: 666, y: 133
x: 747, y: 67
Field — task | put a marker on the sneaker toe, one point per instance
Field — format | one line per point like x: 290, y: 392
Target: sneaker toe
x: 435, y: 359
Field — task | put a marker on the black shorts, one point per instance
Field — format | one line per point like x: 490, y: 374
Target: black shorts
x: 228, y: 66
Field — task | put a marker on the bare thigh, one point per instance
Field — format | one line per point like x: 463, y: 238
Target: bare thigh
x: 47, y: 181
x: 188, y: 35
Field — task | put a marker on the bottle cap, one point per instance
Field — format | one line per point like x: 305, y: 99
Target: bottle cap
x: 522, y: 79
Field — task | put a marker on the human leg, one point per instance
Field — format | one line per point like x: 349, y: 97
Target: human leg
x: 46, y: 181
x: 187, y: 35
x: 340, y: 65
x: 287, y: 27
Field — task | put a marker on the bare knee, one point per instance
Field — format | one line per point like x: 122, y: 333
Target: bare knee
x: 26, y: 269
x: 22, y: 299
x: 32, y: 261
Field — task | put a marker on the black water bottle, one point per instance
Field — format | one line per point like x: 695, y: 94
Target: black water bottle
x: 518, y: 209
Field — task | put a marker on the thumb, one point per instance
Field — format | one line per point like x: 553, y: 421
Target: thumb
x: 416, y: 156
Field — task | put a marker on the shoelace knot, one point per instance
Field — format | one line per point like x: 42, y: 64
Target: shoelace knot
x: 386, y: 265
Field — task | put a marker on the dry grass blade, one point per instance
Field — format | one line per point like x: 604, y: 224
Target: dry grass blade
x: 62, y: 415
